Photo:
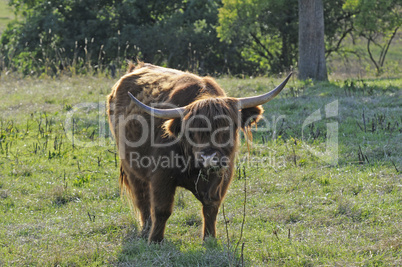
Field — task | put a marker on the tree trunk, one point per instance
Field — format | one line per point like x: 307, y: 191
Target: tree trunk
x: 311, y: 40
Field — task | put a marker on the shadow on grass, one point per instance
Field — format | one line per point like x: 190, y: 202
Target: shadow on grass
x: 136, y: 252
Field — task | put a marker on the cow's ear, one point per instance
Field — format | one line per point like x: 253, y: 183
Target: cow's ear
x: 172, y: 127
x: 250, y: 116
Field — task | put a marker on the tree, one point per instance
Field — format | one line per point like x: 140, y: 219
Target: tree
x: 264, y: 31
x: 312, y: 62
x: 378, y: 22
x: 338, y: 24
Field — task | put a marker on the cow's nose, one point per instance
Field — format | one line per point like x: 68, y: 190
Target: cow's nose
x: 209, y: 160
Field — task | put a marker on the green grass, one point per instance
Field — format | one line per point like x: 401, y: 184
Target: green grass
x: 60, y: 205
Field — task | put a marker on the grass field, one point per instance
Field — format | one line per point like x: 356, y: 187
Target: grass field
x: 60, y: 203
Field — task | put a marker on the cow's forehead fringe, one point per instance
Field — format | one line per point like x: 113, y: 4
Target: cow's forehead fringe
x: 221, y: 111
x: 212, y: 105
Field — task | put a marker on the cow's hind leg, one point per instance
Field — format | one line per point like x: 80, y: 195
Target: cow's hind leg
x: 142, y: 201
x: 162, y: 197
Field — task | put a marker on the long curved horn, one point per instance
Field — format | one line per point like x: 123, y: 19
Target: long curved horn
x: 157, y: 112
x: 253, y: 101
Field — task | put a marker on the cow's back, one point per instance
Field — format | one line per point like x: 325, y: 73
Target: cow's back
x: 159, y: 87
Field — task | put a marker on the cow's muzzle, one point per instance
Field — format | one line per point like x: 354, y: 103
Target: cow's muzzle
x: 211, y: 159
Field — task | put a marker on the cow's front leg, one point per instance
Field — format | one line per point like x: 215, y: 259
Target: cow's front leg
x: 210, y: 211
x: 162, y: 206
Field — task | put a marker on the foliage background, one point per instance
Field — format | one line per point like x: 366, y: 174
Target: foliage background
x: 205, y: 36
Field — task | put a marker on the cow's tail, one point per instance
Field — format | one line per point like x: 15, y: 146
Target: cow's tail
x: 127, y: 193
x: 125, y: 189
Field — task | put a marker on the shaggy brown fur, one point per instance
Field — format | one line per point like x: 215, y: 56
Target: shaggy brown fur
x: 151, y: 188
